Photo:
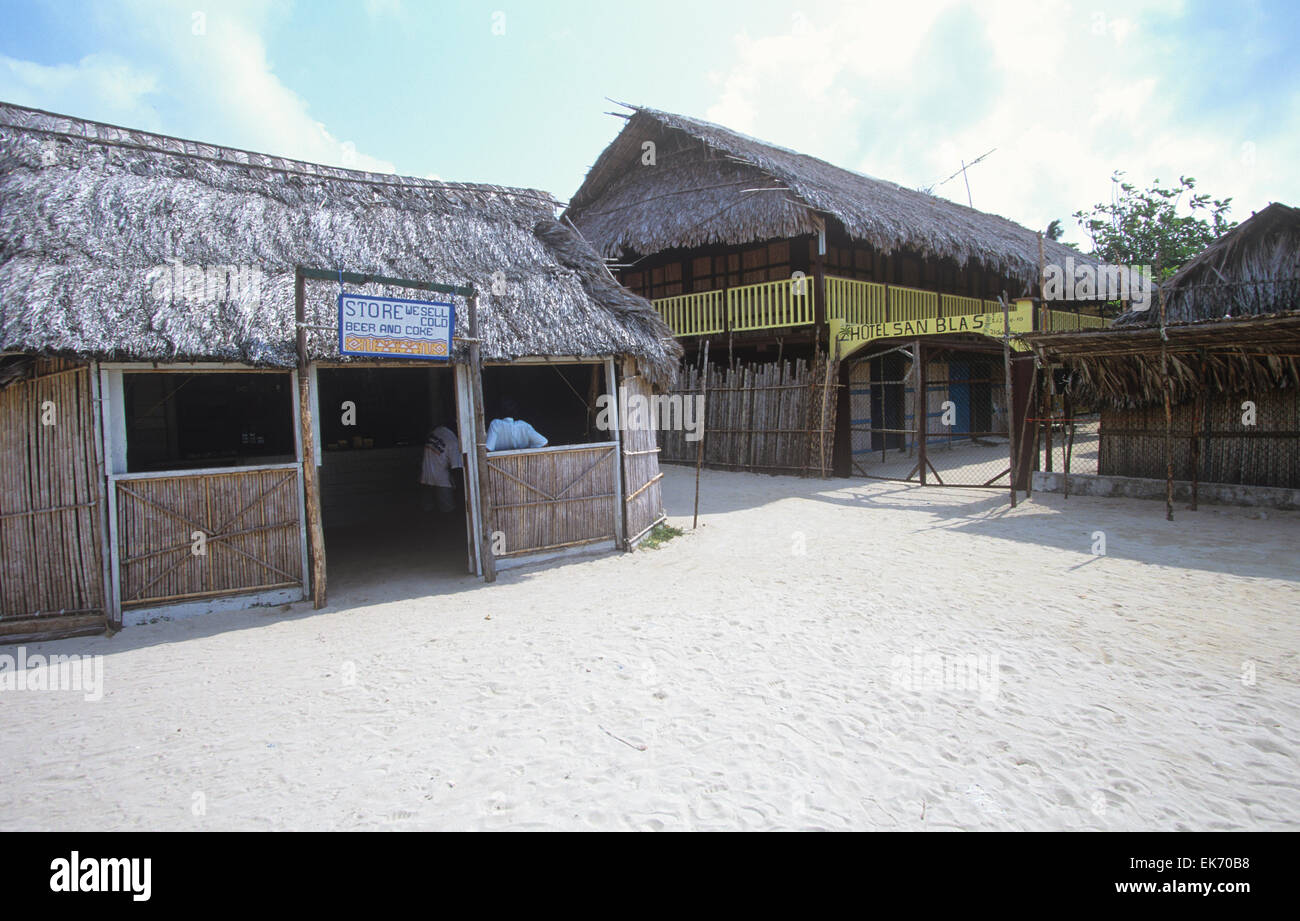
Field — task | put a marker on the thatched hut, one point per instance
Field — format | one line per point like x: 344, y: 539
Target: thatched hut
x: 759, y: 251
x: 172, y: 307
x: 1224, y: 349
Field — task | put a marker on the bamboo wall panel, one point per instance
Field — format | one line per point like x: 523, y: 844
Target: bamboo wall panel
x: 251, y: 519
x: 642, y: 480
x: 51, y: 560
x: 1265, y: 454
x: 765, y: 418
x: 552, y: 497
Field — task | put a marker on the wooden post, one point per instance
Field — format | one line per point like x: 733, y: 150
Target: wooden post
x: 480, y: 443
x: 1010, y: 396
x: 1047, y: 425
x: 826, y: 395
x: 1041, y: 324
x: 1198, y: 413
x: 310, y: 481
x: 1030, y: 408
x: 704, y: 427
x: 921, y: 409
x: 819, y: 287
x: 1067, y: 438
x: 1165, y: 388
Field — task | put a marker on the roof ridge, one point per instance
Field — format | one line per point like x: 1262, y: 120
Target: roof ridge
x: 97, y: 132
x: 654, y: 113
x: 686, y: 123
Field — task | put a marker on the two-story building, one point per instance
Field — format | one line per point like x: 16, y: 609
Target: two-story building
x: 759, y: 251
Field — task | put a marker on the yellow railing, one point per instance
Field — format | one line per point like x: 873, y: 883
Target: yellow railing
x: 912, y: 303
x: 787, y: 302
x: 1059, y: 321
x: 696, y: 314
x: 854, y: 301
x: 790, y: 302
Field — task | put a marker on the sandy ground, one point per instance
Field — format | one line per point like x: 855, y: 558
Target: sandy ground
x: 773, y: 669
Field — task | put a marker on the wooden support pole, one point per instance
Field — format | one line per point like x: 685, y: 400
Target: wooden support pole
x: 819, y: 285
x: 480, y: 444
x: 1067, y: 438
x: 826, y: 395
x: 1040, y: 320
x: 1010, y: 396
x: 922, y: 408
x: 1166, y: 390
x: 704, y: 427
x: 1198, y: 415
x: 1047, y: 425
x: 1031, y: 409
x: 310, y: 481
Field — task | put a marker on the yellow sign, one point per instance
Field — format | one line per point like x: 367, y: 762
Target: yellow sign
x: 853, y: 336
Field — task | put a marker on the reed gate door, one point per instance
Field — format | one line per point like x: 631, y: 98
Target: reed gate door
x: 551, y: 498
x: 882, y: 418
x: 958, y: 434
x: 51, y: 551
x: 644, y: 505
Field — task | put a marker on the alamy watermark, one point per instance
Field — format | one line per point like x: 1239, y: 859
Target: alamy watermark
x: 21, y: 672
x: 934, y: 672
x: 192, y: 285
x: 670, y: 412
x: 1087, y: 282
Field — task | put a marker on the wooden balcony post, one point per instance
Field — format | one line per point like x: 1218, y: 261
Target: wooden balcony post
x: 819, y: 287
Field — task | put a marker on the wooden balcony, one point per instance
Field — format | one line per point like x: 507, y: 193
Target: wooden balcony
x: 790, y: 303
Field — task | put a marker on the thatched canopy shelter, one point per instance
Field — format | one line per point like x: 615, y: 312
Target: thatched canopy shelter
x: 712, y: 185
x: 91, y: 216
x: 1252, y: 270
x: 1232, y: 324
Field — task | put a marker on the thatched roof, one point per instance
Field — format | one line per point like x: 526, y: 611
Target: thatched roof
x: 89, y: 213
x: 1232, y: 324
x: 701, y: 191
x: 1251, y: 270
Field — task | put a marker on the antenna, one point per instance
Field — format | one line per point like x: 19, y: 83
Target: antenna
x: 961, y: 172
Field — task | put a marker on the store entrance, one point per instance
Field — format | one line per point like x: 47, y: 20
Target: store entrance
x: 394, y: 513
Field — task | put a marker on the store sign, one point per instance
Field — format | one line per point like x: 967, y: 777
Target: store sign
x: 853, y: 336
x: 395, y: 327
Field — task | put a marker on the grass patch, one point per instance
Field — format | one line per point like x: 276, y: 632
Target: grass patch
x: 661, y: 534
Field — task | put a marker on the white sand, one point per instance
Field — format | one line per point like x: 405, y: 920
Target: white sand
x: 722, y: 681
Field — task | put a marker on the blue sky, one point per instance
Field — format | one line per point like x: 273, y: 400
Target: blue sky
x: 514, y: 93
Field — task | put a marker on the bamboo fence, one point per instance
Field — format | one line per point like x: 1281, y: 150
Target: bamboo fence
x: 51, y: 563
x: 772, y: 417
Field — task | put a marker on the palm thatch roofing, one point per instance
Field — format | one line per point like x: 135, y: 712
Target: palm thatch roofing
x: 710, y: 184
x: 1252, y: 270
x: 93, y: 215
x: 1232, y: 324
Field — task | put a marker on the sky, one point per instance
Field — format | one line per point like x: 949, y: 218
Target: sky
x: 514, y: 93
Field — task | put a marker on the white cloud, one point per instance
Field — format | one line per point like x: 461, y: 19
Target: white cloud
x: 217, y: 68
x: 116, y: 90
x: 225, y: 74
x: 907, y: 91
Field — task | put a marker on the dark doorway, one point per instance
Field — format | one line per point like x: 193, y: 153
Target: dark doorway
x: 383, y: 526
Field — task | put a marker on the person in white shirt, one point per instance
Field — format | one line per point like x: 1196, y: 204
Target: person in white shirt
x: 441, y: 456
x: 507, y: 434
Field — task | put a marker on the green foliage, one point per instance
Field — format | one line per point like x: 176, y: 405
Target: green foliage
x: 659, y: 535
x: 1143, y: 227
